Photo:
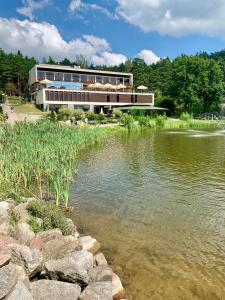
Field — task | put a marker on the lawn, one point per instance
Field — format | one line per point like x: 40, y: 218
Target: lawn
x: 28, y: 109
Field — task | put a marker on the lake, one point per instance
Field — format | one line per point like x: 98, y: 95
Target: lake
x: 156, y: 202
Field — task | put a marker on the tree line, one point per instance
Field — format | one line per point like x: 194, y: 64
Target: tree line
x: 187, y: 83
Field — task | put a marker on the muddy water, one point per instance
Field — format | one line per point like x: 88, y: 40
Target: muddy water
x: 156, y: 202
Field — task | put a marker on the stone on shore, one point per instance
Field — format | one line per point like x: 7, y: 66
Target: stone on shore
x: 100, y: 273
x: 59, y: 247
x: 5, y: 252
x: 73, y: 267
x: 20, y: 274
x: 29, y: 259
x: 72, y: 225
x: 4, y: 206
x: 7, y: 281
x: 97, y: 291
x: 49, y: 235
x: 36, y: 244
x: 4, y: 259
x: 118, y: 291
x: 5, y: 228
x: 24, y: 233
x: 90, y: 244
x: 20, y: 292
x: 100, y: 260
x: 54, y: 290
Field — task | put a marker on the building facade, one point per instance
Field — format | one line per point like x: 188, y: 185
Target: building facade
x: 55, y: 86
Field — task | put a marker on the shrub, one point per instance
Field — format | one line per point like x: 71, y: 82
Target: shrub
x: 112, y: 120
x: 51, y: 215
x: 90, y: 116
x: 79, y: 114
x: 143, y: 121
x: 65, y: 114
x: 185, y: 116
x: 161, y: 120
x: 118, y: 113
x: 35, y: 225
x: 127, y: 121
x: 100, y: 117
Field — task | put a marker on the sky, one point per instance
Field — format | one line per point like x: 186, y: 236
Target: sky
x: 111, y: 31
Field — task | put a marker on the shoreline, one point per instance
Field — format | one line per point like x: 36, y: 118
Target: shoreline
x: 32, y: 261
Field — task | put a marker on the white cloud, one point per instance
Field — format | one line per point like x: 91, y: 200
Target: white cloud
x: 148, y: 56
x: 30, y: 6
x: 175, y: 17
x: 43, y: 40
x: 79, y: 5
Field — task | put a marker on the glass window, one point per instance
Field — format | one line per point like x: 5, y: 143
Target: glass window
x: 119, y: 80
x: 99, y: 79
x: 50, y: 75
x: 127, y: 81
x: 105, y: 79
x: 41, y: 75
x: 75, y: 78
x: 91, y: 78
x: 67, y: 77
x: 59, y: 76
x: 113, y: 80
x: 83, y: 78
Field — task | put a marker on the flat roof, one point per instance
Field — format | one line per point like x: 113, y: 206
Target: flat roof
x: 75, y: 68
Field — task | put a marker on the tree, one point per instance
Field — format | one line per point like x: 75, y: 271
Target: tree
x: 10, y: 88
x: 141, y: 72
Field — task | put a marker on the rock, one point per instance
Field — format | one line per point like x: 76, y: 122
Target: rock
x: 20, y: 274
x: 54, y: 290
x: 24, y: 234
x: 20, y: 292
x: 49, y: 235
x: 7, y: 281
x: 97, y: 291
x: 5, y: 228
x: 100, y: 273
x: 4, y: 206
x: 21, y: 209
x: 72, y: 225
x: 100, y: 260
x: 5, y: 243
x: 29, y: 259
x: 36, y: 243
x: 4, y: 259
x: 59, y: 247
x: 90, y: 244
x: 117, y: 288
x: 73, y: 267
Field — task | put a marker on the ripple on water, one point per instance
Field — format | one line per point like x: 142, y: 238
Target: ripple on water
x: 156, y: 203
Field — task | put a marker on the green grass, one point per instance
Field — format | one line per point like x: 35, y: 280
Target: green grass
x: 29, y: 109
x: 14, y: 100
x: 38, y: 159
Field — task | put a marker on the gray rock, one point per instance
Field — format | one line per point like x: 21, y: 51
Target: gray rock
x: 29, y: 259
x: 59, y: 247
x: 21, y: 209
x: 20, y: 274
x: 73, y: 267
x: 20, y: 292
x: 54, y: 290
x: 4, y: 206
x: 90, y: 244
x: 49, y: 235
x: 97, y: 291
x: 72, y: 225
x: 7, y: 281
x: 100, y: 260
x: 100, y: 273
x: 24, y: 233
x: 5, y: 228
x: 117, y: 288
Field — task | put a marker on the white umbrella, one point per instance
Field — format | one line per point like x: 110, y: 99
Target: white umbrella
x: 121, y: 86
x: 45, y: 81
x: 142, y: 87
x: 108, y: 86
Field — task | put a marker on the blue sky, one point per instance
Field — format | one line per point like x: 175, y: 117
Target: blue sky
x: 110, y: 31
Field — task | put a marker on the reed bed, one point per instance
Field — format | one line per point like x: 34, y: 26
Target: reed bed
x: 38, y: 159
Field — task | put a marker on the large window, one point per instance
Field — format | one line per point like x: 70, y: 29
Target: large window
x: 75, y: 78
x: 67, y: 77
x: 91, y: 78
x: 83, y: 78
x: 99, y: 79
x: 59, y: 76
x: 127, y: 81
x: 41, y: 75
x: 50, y: 75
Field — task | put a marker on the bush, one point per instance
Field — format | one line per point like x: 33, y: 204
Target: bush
x: 118, y: 113
x: 161, y: 120
x: 143, y: 121
x: 112, y: 120
x: 51, y: 215
x: 90, y: 116
x: 79, y: 114
x: 100, y: 117
x: 65, y: 114
x: 127, y: 121
x: 35, y: 225
x: 14, y: 216
x: 185, y: 117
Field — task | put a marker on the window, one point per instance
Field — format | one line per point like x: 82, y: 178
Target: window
x: 99, y: 79
x: 75, y: 78
x: 67, y: 77
x: 50, y: 75
x: 83, y: 78
x: 132, y: 98
x: 119, y: 80
x: 135, y: 98
x: 108, y: 98
x: 91, y: 78
x: 113, y: 80
x: 118, y: 98
x: 40, y: 75
x: 59, y: 76
x: 127, y: 81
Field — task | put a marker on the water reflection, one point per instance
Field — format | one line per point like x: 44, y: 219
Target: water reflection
x: 156, y: 201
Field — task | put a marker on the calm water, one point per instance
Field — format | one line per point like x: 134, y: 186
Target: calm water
x: 156, y: 202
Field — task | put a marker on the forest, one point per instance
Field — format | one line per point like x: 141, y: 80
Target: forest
x: 188, y: 83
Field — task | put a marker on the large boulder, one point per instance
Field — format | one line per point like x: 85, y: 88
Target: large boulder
x: 5, y: 253
x: 117, y: 288
x: 49, y: 235
x: 29, y: 259
x: 24, y: 234
x: 20, y: 274
x: 21, y: 209
x: 5, y: 228
x: 73, y: 267
x: 7, y: 281
x: 97, y: 291
x: 59, y: 247
x: 90, y: 244
x: 54, y: 290
x: 4, y: 206
x: 100, y: 260
x: 100, y: 273
x: 20, y: 292
x: 4, y: 259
